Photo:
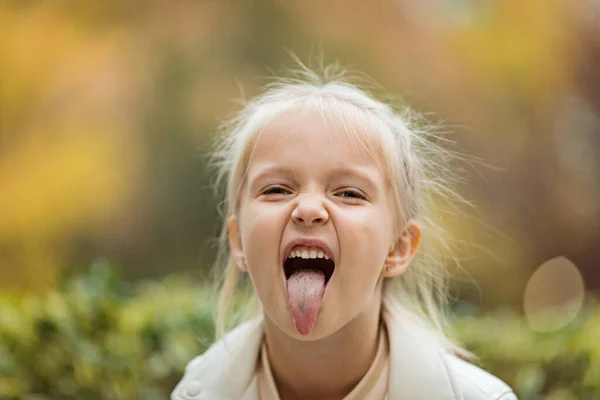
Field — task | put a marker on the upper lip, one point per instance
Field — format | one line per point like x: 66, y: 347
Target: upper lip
x: 308, y: 242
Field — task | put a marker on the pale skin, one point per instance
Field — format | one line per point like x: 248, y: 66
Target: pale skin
x: 303, y: 181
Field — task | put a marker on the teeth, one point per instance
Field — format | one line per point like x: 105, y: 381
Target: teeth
x: 308, y: 253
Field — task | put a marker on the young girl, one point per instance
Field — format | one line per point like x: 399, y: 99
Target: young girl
x: 326, y: 206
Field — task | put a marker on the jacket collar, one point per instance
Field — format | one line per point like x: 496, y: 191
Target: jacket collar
x: 417, y: 366
x: 226, y: 370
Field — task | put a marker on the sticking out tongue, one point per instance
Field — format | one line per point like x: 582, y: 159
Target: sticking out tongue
x: 305, y: 290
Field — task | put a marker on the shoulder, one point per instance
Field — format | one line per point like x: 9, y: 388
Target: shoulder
x: 225, y: 369
x: 438, y: 374
x: 476, y: 384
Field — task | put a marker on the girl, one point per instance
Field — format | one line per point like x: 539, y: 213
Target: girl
x: 326, y: 206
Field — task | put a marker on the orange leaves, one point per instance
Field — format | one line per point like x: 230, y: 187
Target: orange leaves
x: 66, y: 160
x: 521, y: 44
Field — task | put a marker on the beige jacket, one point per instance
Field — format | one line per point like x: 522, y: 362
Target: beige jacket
x: 418, y: 369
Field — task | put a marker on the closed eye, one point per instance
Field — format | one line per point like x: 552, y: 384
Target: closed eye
x: 275, y: 190
x: 352, y: 194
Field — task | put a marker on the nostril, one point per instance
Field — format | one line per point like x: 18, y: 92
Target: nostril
x: 309, y: 214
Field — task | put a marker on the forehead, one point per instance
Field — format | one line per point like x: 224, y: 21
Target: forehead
x: 304, y: 136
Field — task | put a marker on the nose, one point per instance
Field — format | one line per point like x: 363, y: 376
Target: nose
x: 310, y: 211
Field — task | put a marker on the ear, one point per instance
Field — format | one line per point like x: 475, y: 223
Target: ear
x: 235, y: 243
x: 404, y: 250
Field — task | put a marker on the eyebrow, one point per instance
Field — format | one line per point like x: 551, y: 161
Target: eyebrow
x: 271, y: 169
x: 360, y: 173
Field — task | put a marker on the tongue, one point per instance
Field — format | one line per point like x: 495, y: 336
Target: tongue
x: 305, y: 290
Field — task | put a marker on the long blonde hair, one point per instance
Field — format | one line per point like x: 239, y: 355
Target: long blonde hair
x: 419, y: 171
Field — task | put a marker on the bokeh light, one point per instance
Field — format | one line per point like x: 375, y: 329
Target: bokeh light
x: 554, y: 295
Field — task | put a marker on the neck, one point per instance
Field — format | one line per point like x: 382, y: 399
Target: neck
x: 328, y: 368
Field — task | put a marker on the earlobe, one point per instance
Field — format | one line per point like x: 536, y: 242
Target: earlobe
x: 235, y: 243
x: 404, y: 250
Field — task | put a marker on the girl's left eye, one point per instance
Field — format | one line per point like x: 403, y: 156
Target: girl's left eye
x: 351, y: 194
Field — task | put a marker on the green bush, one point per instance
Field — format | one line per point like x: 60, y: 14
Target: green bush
x: 98, y: 338
x: 559, y: 365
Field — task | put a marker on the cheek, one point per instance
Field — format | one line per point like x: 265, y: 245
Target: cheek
x: 367, y: 240
x: 261, y: 226
x: 256, y: 216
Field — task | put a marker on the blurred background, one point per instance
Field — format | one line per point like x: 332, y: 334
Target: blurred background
x: 107, y: 110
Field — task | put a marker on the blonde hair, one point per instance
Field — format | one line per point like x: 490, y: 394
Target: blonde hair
x: 419, y: 171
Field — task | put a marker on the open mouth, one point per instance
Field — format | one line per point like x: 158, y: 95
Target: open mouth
x: 307, y: 271
x: 293, y: 264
